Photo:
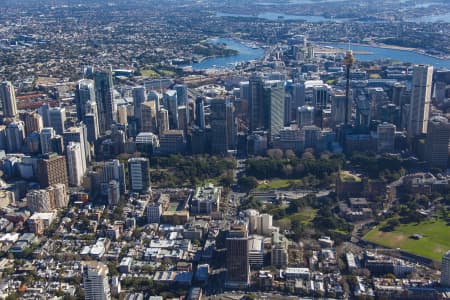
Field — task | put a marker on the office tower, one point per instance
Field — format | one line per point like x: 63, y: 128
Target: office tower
x: 104, y: 95
x: 114, y: 170
x: 138, y: 99
x: 78, y: 134
x: 113, y: 192
x: 155, y: 97
x: 39, y: 201
x: 338, y: 108
x: 256, y: 102
x: 182, y: 118
x: 75, y: 163
x: 57, y: 144
x: 32, y: 144
x: 138, y: 172
x: 397, y: 92
x: 171, y: 103
x: 274, y: 98
x: 95, y: 281
x: 15, y: 135
x: 33, y: 123
x: 92, y: 126
x: 321, y: 96
x: 238, y: 268
x: 182, y: 94
x: 386, y: 137
x: 52, y: 170
x: 8, y: 97
x: 437, y: 142
x: 305, y: 116
x: 46, y: 136
x: 419, y: 108
x: 122, y: 114
x: 163, y: 121
x: 349, y: 60
x: 148, y: 117
x: 298, y: 94
x: 312, y: 136
x: 57, y: 117
x: 84, y: 93
x: 44, y: 112
x: 218, y: 122
x: 445, y: 270
x: 199, y: 113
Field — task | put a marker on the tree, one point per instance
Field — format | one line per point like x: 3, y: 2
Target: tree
x: 290, y: 154
x: 275, y: 153
x: 247, y: 183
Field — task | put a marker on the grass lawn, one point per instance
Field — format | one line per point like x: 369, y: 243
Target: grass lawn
x: 306, y: 216
x: 277, y: 184
x: 434, y: 243
x: 150, y: 73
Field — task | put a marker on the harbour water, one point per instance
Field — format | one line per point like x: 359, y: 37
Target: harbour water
x: 247, y: 53
x: 377, y: 53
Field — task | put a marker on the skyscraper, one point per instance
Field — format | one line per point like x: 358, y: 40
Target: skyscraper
x: 437, y: 142
x: 256, y: 102
x: 51, y: 170
x: 15, y: 135
x: 419, y: 108
x: 95, y: 281
x: 84, y: 93
x: 349, y: 60
x: 46, y: 136
x: 182, y: 93
x: 114, y: 170
x: 138, y: 172
x: 148, y: 117
x: 75, y: 163
x: 33, y: 123
x: 8, y: 97
x: 104, y: 93
x: 138, y: 99
x: 78, y: 134
x: 171, y: 103
x: 274, y: 100
x: 386, y: 137
x: 57, y: 118
x: 199, y: 113
x: 163, y: 121
x: 321, y: 96
x: 219, y: 126
x: 238, y: 268
x: 339, y: 110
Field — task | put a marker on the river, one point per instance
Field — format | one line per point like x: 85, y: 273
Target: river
x: 248, y: 53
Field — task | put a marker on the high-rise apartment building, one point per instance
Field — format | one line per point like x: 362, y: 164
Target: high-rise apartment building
x: 15, y: 135
x: 33, y: 123
x: 8, y: 98
x: 52, y: 170
x: 95, y: 281
x: 75, y: 163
